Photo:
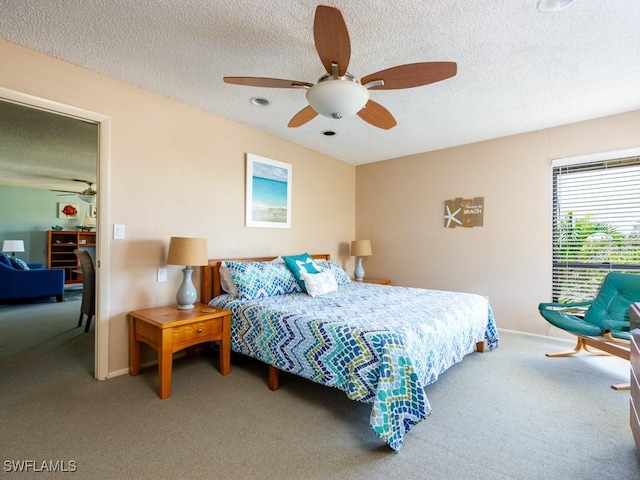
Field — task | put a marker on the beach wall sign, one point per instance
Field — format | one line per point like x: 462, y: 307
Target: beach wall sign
x: 464, y: 212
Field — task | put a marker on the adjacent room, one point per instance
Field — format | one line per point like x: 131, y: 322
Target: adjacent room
x: 274, y: 239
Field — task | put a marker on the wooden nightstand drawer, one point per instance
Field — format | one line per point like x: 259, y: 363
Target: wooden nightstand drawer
x: 198, y: 330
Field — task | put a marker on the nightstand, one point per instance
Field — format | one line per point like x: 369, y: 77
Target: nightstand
x: 378, y: 281
x: 168, y: 330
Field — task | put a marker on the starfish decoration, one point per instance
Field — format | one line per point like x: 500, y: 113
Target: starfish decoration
x: 451, y: 217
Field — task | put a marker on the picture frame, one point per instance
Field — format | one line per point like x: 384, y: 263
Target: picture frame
x: 268, y: 192
x: 67, y: 210
x: 93, y: 211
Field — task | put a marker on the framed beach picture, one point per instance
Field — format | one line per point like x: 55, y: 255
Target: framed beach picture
x: 268, y: 193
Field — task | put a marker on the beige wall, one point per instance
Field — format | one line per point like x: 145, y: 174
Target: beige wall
x: 400, y: 207
x: 177, y: 171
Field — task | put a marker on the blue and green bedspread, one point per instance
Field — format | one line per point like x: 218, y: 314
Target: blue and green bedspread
x: 378, y: 344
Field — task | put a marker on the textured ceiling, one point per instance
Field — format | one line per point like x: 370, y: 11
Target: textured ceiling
x: 39, y: 149
x: 518, y: 69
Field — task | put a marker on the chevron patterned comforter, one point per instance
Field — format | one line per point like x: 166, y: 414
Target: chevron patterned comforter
x: 378, y: 344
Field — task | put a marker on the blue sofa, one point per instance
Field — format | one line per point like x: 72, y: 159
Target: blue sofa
x: 37, y: 282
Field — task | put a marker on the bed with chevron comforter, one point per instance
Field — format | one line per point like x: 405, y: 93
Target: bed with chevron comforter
x: 379, y: 344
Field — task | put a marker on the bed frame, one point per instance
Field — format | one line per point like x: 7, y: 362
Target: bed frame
x: 210, y: 288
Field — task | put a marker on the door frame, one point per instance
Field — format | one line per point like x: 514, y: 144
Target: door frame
x: 101, y: 350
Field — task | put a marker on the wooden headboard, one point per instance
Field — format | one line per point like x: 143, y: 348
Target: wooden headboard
x: 210, y: 278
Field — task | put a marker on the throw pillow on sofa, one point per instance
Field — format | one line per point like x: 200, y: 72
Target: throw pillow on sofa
x: 5, y: 260
x: 18, y: 264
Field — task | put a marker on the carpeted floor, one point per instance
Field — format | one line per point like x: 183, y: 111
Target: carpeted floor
x: 508, y: 414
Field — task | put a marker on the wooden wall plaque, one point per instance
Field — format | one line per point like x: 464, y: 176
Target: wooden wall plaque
x: 464, y: 212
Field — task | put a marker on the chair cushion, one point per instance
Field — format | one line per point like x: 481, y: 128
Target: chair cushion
x: 567, y: 322
x: 617, y: 293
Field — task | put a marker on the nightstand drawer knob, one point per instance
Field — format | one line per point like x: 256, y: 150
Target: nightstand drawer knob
x: 199, y: 330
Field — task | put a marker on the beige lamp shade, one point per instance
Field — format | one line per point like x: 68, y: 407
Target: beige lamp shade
x: 187, y: 251
x: 361, y: 248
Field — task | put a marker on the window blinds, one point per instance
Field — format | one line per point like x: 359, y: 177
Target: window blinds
x: 596, y: 224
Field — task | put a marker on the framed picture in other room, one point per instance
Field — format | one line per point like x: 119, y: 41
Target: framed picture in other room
x: 67, y: 210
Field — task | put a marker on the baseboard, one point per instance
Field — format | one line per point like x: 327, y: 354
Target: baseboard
x: 539, y: 335
x: 151, y: 363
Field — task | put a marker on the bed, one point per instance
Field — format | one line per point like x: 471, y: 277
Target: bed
x: 379, y: 344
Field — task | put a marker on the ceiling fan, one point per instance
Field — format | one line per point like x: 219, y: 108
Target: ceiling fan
x: 338, y: 94
x: 86, y: 195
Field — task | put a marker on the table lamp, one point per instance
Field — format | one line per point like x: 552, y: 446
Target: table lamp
x: 13, y: 246
x: 359, y: 249
x: 189, y: 252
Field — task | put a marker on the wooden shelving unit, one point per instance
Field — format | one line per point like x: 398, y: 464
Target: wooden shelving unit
x: 60, y: 247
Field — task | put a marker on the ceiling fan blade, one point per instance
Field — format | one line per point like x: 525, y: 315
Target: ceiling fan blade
x: 377, y: 115
x: 411, y: 75
x: 266, y: 82
x: 302, y: 117
x: 332, y: 39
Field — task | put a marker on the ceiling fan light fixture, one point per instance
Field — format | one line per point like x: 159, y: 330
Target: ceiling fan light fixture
x: 550, y: 6
x: 337, y: 97
x: 86, y: 198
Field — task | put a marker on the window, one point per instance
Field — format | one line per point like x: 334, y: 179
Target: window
x: 596, y: 223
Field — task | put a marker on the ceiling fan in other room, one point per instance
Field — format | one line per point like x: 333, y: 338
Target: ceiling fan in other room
x: 86, y: 195
x: 338, y: 94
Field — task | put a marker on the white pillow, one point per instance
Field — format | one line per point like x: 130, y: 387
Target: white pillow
x: 319, y: 283
x: 226, y: 282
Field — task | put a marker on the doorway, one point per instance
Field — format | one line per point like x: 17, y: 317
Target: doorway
x: 102, y: 221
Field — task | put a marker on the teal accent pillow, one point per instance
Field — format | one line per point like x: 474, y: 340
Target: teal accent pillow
x: 255, y: 280
x: 18, y: 264
x: 299, y: 264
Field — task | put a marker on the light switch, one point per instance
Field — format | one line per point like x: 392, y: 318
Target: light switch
x: 162, y: 274
x: 118, y: 232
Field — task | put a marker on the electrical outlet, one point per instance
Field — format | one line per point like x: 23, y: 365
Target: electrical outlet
x: 162, y: 274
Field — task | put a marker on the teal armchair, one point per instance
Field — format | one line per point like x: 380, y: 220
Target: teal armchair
x: 605, y: 323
